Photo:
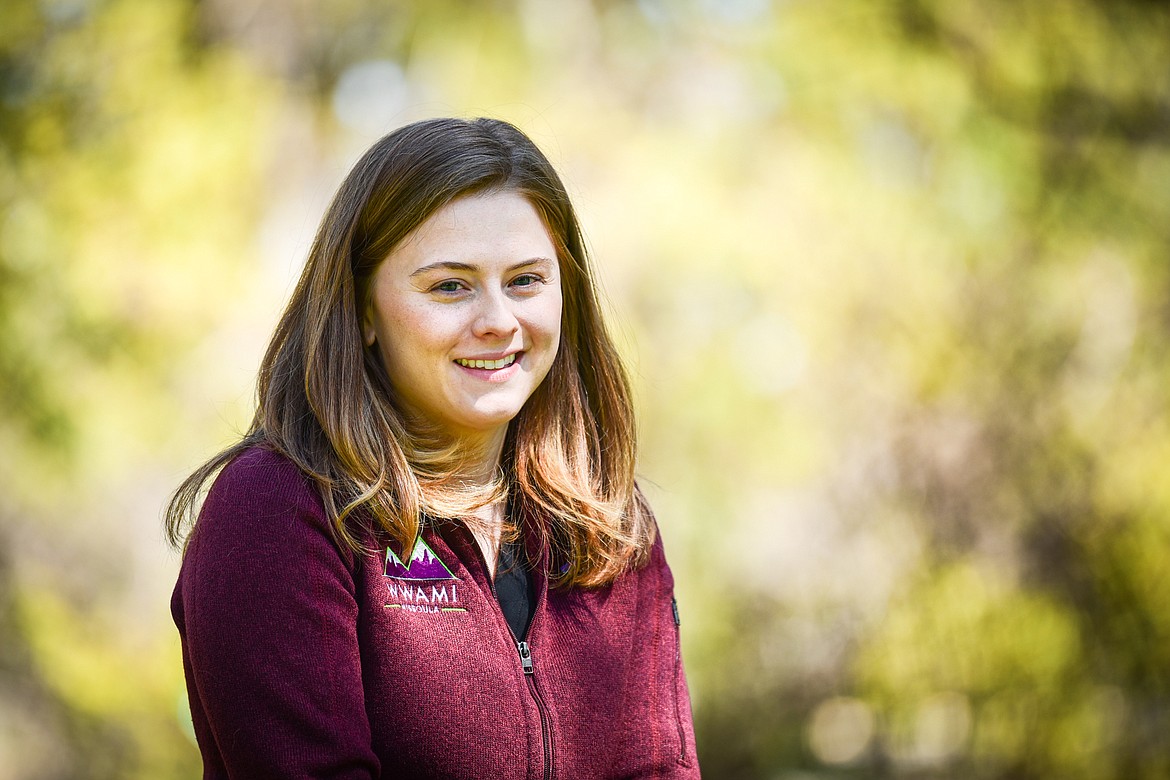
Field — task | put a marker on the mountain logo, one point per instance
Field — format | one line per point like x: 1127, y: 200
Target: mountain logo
x: 423, y: 564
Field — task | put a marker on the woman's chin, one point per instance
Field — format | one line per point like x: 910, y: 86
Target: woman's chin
x: 485, y: 424
x: 488, y: 413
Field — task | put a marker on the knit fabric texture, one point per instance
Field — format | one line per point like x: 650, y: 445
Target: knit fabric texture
x: 305, y: 660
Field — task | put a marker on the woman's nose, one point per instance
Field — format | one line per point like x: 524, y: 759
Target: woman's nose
x: 494, y: 316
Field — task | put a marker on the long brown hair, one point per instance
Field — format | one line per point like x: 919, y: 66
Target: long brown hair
x: 324, y: 400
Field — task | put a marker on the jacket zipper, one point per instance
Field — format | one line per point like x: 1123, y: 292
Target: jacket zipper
x: 545, y: 728
x: 529, y: 670
x: 682, y: 737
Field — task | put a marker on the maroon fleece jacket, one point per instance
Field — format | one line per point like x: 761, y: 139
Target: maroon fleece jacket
x: 304, y: 660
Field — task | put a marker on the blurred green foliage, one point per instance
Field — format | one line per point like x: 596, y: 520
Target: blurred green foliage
x: 892, y: 276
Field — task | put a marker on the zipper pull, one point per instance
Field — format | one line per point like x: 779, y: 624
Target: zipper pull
x: 674, y: 609
x: 525, y: 657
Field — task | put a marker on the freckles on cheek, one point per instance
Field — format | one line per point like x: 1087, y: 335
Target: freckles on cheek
x: 419, y: 327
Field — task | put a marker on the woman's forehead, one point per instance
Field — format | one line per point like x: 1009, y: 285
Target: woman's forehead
x: 475, y: 232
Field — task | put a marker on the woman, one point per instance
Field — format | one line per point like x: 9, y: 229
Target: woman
x: 428, y: 556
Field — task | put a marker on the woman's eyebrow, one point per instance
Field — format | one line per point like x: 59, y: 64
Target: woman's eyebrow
x: 447, y: 265
x: 452, y: 265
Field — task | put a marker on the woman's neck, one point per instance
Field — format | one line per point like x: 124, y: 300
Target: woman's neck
x: 481, y: 458
x: 481, y: 467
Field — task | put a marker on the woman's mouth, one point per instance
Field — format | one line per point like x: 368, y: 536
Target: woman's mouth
x: 488, y: 364
x: 495, y: 371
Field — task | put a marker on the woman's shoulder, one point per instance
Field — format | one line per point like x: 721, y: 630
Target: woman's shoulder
x: 260, y: 474
x: 260, y: 492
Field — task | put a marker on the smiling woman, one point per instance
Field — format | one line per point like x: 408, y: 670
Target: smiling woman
x: 467, y: 316
x: 428, y: 556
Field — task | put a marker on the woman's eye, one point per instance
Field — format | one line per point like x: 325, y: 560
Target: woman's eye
x: 449, y: 286
x: 527, y: 280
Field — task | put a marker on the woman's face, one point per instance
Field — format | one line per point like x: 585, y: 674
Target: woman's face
x: 466, y: 312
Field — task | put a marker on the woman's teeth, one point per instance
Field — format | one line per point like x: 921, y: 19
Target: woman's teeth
x: 487, y: 363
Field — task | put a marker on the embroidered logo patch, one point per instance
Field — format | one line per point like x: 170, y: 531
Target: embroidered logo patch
x: 422, y: 584
x: 423, y: 564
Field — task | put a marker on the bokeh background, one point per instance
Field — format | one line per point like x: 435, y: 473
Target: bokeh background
x: 892, y: 277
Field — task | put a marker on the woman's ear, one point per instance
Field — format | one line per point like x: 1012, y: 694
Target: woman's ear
x: 369, y: 335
